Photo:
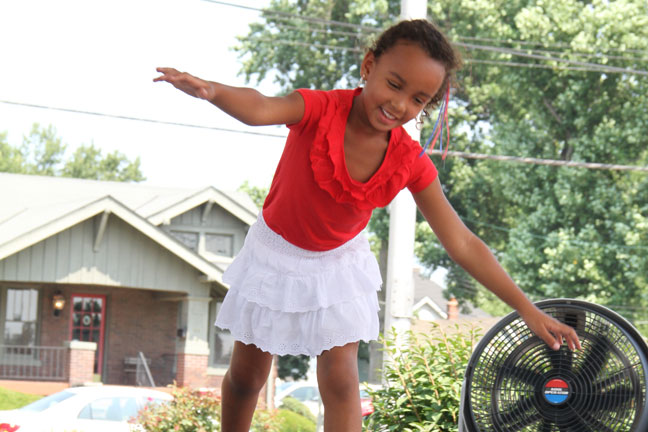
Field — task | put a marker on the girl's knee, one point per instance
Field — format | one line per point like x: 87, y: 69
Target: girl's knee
x: 338, y: 382
x: 245, y: 381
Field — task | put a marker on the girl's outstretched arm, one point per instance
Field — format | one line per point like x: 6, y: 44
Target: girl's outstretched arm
x: 244, y: 104
x: 473, y: 255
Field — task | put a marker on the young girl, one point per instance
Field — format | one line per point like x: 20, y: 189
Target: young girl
x: 305, y: 281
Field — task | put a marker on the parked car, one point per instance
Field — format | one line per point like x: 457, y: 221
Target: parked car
x: 308, y: 393
x: 305, y: 392
x: 365, y: 403
x: 83, y: 409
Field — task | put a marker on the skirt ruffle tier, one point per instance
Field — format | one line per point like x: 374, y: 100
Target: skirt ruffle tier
x: 287, y: 300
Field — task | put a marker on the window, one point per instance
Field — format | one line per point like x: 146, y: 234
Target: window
x: 48, y: 401
x: 20, y: 317
x: 303, y: 394
x: 219, y: 244
x: 189, y: 239
x: 110, y: 409
x: 221, y: 342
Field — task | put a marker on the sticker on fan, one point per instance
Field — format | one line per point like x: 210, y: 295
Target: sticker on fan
x: 556, y: 391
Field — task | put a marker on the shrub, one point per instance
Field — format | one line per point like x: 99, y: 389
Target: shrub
x: 424, y: 379
x: 195, y: 411
x: 292, y: 422
x: 292, y: 404
x: 266, y: 421
x: 189, y: 411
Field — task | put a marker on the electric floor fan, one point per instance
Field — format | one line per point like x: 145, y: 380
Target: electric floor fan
x: 515, y: 383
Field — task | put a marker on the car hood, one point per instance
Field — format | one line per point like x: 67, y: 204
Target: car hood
x: 26, y: 421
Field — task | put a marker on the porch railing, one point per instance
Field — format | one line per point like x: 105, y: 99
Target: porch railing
x: 33, y: 362
x: 143, y: 375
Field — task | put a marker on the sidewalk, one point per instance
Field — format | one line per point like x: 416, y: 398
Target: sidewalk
x: 42, y: 388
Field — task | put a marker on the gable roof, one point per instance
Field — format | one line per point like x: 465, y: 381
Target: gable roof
x: 427, y: 292
x: 36, y: 207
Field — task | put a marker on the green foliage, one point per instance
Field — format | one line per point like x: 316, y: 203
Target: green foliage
x: 257, y: 194
x: 10, y: 399
x: 189, y: 411
x: 424, y: 381
x: 43, y: 153
x: 197, y: 411
x: 569, y: 232
x: 290, y: 421
x: 266, y: 421
x: 292, y: 404
x: 304, y: 54
x: 295, y: 367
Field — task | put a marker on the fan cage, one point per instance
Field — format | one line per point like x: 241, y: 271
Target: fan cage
x: 511, y: 378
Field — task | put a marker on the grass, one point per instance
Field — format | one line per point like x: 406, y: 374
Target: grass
x: 10, y: 399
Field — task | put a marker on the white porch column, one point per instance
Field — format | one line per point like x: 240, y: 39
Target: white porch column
x: 192, y: 350
x: 193, y: 322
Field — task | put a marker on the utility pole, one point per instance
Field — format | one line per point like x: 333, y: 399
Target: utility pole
x: 402, y: 222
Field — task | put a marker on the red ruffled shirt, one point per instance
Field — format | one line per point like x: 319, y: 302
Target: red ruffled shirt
x: 313, y: 201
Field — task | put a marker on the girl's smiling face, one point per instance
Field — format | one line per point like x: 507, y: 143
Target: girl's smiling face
x: 399, y: 84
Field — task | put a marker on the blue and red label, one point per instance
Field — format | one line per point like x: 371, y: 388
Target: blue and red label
x: 556, y: 391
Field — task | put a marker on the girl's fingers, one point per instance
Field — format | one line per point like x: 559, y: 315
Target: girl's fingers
x: 167, y: 74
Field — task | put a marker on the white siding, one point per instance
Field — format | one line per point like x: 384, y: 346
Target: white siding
x: 219, y: 221
x: 125, y: 258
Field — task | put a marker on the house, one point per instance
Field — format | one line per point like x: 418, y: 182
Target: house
x: 432, y: 309
x: 92, y: 273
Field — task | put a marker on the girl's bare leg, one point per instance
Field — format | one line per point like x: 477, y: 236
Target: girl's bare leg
x: 337, y: 377
x: 248, y: 372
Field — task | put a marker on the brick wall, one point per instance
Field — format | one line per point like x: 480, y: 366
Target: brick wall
x: 192, y: 370
x: 80, y: 364
x: 134, y: 321
x: 137, y: 321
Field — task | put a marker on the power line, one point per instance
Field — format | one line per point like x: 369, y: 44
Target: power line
x: 123, y: 117
x: 536, y: 161
x: 519, y: 53
x: 596, y: 68
x: 465, y: 155
x: 530, y: 65
x: 288, y: 15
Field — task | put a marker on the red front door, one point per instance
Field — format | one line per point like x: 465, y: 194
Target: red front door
x: 87, y: 322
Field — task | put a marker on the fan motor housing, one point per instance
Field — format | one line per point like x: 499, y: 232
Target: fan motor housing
x: 556, y: 391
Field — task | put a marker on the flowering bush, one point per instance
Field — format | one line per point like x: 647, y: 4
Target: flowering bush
x: 189, y: 411
x: 424, y: 381
x: 196, y: 411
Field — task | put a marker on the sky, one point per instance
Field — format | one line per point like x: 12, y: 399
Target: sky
x: 100, y: 56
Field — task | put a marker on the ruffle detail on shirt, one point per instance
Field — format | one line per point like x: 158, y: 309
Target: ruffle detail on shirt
x: 329, y: 166
x: 307, y: 280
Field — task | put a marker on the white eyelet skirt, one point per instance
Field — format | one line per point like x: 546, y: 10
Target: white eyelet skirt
x: 288, y: 300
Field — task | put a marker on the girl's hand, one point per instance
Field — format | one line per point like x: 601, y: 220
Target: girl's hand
x: 188, y: 83
x: 549, y: 329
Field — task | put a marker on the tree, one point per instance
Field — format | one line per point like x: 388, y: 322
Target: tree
x: 43, y: 153
x: 539, y: 81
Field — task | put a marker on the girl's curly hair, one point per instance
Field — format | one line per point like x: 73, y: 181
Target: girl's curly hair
x: 425, y: 34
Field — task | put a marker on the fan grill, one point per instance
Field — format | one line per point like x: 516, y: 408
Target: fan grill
x: 519, y: 384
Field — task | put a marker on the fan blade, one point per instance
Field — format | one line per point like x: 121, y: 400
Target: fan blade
x: 616, y: 378
x: 595, y: 358
x: 613, y: 399
x: 561, y: 360
x: 517, y: 416
x: 546, y: 426
x: 576, y: 424
x: 521, y: 373
x: 594, y: 424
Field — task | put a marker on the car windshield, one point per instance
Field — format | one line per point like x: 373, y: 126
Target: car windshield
x: 48, y: 401
x: 283, y: 386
